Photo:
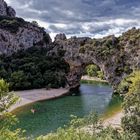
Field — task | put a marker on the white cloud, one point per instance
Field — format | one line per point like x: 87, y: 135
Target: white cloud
x: 96, y: 18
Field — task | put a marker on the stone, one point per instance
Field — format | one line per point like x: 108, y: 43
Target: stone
x: 60, y: 37
x: 18, y: 34
x: 6, y: 10
x: 11, y: 12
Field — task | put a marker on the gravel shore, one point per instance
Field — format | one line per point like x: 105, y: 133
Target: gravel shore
x: 31, y: 96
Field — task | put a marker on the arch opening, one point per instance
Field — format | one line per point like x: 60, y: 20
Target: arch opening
x: 93, y: 72
x: 84, y: 73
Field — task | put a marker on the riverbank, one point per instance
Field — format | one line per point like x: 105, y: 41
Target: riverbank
x: 31, y: 96
x: 114, y: 121
x: 88, y: 78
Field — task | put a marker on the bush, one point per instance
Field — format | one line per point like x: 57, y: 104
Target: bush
x: 11, y: 24
x: 78, y: 131
x: 131, y: 105
x: 7, y: 120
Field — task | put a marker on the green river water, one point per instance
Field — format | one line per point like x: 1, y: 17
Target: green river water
x: 53, y: 114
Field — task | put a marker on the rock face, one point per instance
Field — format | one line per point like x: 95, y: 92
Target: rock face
x: 16, y: 34
x: 6, y: 10
x: 117, y: 57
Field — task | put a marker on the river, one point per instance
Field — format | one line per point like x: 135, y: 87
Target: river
x: 56, y: 113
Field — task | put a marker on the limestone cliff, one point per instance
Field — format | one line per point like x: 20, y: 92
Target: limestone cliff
x: 6, y: 10
x: 116, y: 57
x: 16, y: 34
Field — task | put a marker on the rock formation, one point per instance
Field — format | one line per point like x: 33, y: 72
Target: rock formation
x: 116, y: 57
x: 16, y: 34
x: 6, y: 10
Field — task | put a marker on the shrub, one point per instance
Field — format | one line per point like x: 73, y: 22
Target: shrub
x: 7, y: 120
x: 131, y: 105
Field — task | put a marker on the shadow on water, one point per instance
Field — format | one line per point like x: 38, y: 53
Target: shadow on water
x: 53, y: 114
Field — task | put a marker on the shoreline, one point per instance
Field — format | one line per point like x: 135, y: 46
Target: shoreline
x: 114, y: 121
x: 88, y: 78
x: 35, y: 95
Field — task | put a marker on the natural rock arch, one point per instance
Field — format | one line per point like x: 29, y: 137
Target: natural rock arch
x: 116, y: 57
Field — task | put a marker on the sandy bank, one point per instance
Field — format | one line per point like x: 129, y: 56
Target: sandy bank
x: 114, y: 121
x: 86, y: 77
x: 31, y: 96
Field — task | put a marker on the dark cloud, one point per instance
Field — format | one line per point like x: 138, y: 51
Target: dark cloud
x: 81, y: 16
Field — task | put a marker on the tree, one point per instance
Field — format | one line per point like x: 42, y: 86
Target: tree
x: 92, y: 70
x: 7, y: 120
x: 6, y: 99
x: 131, y: 105
x: 31, y: 69
x: 35, y: 23
x: 19, y: 80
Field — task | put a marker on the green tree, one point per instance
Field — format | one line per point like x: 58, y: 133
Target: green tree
x: 3, y: 72
x: 6, y: 99
x: 19, y: 80
x: 92, y: 70
x: 131, y: 105
x: 7, y: 120
x: 100, y: 75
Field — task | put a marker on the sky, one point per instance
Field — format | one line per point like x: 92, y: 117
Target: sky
x: 91, y: 18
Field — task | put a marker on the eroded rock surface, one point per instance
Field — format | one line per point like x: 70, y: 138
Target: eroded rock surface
x: 6, y: 10
x: 16, y: 34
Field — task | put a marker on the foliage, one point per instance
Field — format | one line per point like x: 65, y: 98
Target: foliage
x: 7, y: 120
x: 94, y: 71
x: 131, y: 120
x: 91, y: 70
x: 6, y: 99
x: 34, y: 68
x: 35, y: 23
x: 78, y: 131
x: 100, y: 75
x: 11, y: 24
x: 90, y: 127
